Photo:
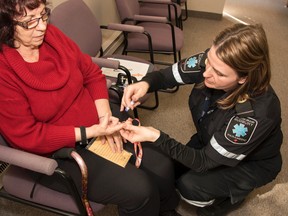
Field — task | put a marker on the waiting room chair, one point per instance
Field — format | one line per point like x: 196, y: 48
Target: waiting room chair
x: 183, y: 2
x: 164, y: 8
x: 162, y: 37
x: 76, y: 20
x: 19, y: 185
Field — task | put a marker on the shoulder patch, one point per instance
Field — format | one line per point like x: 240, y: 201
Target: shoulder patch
x: 240, y: 130
x: 191, y: 64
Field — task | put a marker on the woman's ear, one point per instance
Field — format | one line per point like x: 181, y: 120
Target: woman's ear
x: 242, y: 80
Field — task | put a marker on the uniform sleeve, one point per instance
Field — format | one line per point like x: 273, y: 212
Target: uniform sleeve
x: 195, y: 159
x: 186, y: 71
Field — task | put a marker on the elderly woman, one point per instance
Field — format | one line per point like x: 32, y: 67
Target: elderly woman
x: 237, y: 116
x: 53, y: 96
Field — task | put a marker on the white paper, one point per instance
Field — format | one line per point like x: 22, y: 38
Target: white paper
x: 137, y: 69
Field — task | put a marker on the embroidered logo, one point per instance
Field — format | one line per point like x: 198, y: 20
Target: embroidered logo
x: 191, y: 64
x: 240, y: 130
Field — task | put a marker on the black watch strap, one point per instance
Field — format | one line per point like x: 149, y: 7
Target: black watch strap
x: 83, y: 136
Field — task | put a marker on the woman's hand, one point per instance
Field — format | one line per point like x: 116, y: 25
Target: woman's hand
x: 139, y: 133
x: 108, y: 128
x: 114, y: 139
x: 132, y: 94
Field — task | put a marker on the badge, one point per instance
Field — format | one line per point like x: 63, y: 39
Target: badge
x: 191, y: 64
x: 240, y: 130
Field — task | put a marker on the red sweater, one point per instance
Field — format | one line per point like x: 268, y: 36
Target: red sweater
x: 42, y: 102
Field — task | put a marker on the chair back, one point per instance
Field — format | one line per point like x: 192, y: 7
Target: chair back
x: 2, y: 141
x: 76, y: 20
x: 127, y: 8
x: 3, y: 165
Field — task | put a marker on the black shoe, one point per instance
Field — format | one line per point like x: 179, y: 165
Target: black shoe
x: 169, y: 213
x: 219, y: 208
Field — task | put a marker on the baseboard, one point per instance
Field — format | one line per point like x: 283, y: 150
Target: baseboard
x: 206, y: 15
x: 111, y: 44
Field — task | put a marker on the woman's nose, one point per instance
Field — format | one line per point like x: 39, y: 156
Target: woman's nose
x: 207, y: 72
x: 42, y: 25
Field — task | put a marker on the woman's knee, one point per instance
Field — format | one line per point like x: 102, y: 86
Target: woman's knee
x: 142, y: 198
x: 143, y: 189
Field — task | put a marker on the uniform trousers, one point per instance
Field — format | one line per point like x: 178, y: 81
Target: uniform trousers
x: 225, y: 182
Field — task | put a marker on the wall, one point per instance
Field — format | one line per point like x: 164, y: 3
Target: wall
x: 104, y: 10
x: 206, y: 8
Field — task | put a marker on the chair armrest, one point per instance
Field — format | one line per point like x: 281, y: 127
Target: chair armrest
x: 27, y: 160
x: 114, y: 64
x: 103, y: 62
x: 144, y: 18
x: 157, y: 1
x: 123, y: 27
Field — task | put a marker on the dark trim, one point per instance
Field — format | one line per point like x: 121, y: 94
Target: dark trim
x: 206, y: 15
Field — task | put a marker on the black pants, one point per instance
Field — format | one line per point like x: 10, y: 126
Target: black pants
x: 228, y: 182
x: 139, y: 192
x: 144, y: 191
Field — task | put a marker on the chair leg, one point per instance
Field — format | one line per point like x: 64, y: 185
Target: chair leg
x: 186, y: 12
x: 135, y: 112
x: 152, y: 107
x: 179, y: 56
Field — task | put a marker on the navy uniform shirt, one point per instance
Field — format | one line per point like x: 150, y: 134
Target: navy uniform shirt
x: 249, y: 131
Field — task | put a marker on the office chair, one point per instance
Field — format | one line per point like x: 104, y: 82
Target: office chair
x: 163, y: 8
x: 77, y: 21
x: 162, y: 37
x: 19, y: 185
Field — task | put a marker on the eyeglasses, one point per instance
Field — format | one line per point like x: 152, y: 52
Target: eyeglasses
x: 34, y: 22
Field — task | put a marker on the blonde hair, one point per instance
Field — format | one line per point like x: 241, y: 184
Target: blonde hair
x: 245, y: 49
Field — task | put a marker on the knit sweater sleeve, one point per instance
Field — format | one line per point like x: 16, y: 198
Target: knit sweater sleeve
x: 20, y: 128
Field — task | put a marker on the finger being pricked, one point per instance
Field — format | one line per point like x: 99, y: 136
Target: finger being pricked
x: 113, y: 120
x: 114, y: 127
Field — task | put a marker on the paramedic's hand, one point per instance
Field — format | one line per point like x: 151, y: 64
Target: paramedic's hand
x: 139, y: 133
x: 132, y: 94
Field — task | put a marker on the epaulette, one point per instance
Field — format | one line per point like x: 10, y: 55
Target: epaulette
x: 244, y: 109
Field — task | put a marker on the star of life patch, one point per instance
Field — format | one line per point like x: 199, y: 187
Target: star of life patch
x: 191, y: 64
x: 240, y: 130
